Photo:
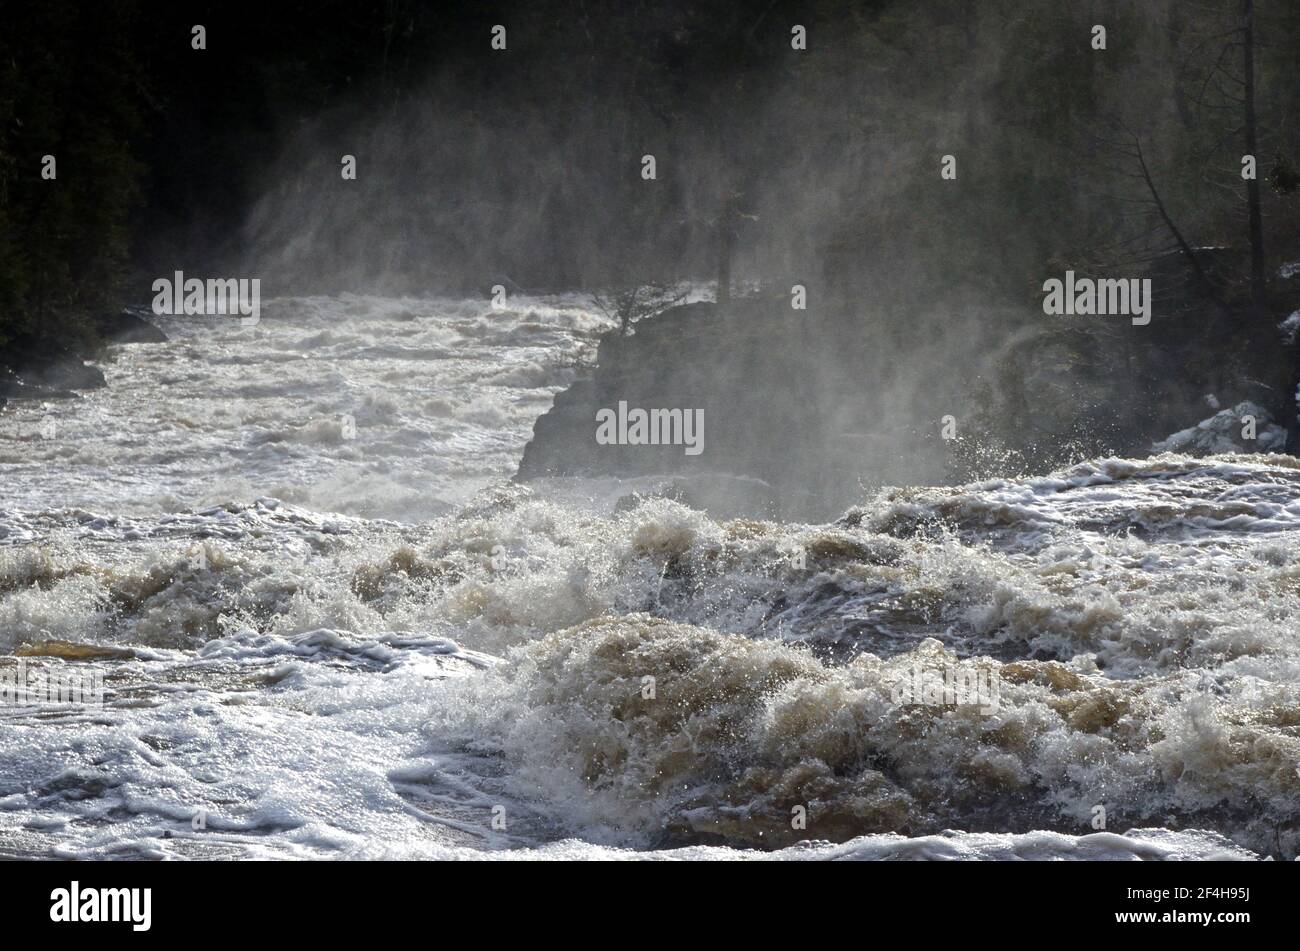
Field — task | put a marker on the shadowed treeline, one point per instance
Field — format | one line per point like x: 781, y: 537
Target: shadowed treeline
x: 523, y: 166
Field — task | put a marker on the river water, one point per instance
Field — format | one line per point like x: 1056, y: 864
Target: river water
x: 328, y: 625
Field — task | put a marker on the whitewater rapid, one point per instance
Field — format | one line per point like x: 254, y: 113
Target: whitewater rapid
x: 330, y: 626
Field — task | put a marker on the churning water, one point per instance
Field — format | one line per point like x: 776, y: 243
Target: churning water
x: 330, y: 625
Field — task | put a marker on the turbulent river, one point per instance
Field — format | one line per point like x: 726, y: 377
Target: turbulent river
x: 328, y: 625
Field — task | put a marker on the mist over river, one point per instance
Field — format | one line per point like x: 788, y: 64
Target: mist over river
x: 330, y: 625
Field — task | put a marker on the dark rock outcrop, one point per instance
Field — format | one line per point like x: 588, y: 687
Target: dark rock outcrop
x: 36, y: 368
x: 32, y: 371
x: 42, y: 362
x: 781, y: 412
x: 68, y: 374
x: 127, y: 327
x: 13, y: 389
